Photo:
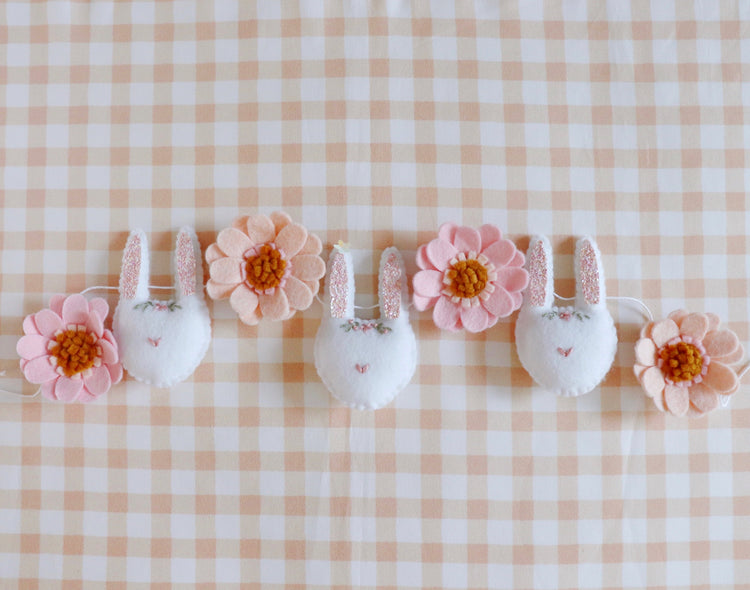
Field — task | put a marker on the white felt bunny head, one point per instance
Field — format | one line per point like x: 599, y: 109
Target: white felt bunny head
x: 162, y: 342
x: 567, y: 350
x: 365, y: 363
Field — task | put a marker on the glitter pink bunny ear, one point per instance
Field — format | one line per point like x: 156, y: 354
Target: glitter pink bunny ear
x: 589, y: 275
x: 134, y: 272
x: 340, y: 284
x: 539, y: 264
x: 188, y: 275
x: 391, y: 283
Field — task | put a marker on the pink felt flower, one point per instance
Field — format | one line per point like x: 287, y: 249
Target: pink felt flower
x: 67, y: 350
x: 682, y: 362
x: 268, y: 267
x: 469, y: 277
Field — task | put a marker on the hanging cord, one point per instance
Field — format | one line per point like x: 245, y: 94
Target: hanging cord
x: 644, y: 307
x: 107, y: 288
x: 409, y: 306
x: 18, y: 393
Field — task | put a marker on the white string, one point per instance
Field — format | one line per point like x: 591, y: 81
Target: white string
x: 17, y: 393
x: 359, y: 306
x: 645, y: 307
x: 106, y: 288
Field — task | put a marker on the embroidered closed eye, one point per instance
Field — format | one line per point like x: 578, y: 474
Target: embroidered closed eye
x: 365, y: 326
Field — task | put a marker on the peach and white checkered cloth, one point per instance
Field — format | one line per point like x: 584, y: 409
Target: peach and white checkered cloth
x: 373, y: 122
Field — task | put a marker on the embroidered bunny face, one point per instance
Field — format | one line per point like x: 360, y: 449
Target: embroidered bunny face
x: 567, y: 350
x: 365, y: 363
x: 162, y: 342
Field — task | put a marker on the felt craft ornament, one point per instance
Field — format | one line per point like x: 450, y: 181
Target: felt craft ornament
x: 268, y: 267
x: 365, y: 363
x: 162, y: 342
x: 567, y: 350
x: 67, y: 350
x: 684, y: 363
x: 469, y: 278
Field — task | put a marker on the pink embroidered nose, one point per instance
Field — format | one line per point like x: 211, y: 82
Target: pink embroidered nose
x: 153, y: 342
x: 565, y: 351
x: 362, y: 368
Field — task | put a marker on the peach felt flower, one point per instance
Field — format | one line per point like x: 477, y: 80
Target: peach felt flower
x: 67, y: 350
x: 268, y: 267
x: 470, y: 277
x: 682, y: 362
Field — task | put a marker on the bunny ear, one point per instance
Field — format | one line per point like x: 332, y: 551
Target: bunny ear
x: 589, y: 274
x: 391, y: 283
x: 188, y: 271
x: 340, y: 284
x: 134, y: 272
x: 539, y: 264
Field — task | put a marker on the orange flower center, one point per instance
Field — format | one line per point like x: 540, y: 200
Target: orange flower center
x: 266, y: 269
x: 468, y: 278
x: 75, y: 350
x: 682, y: 361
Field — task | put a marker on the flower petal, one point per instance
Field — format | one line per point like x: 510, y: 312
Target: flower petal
x: 447, y: 231
x: 298, y: 294
x: 213, y: 252
x: 645, y: 352
x: 314, y: 286
x: 48, y: 322
x: 703, y: 398
x: 240, y: 223
x: 227, y: 271
x: 251, y: 318
x: 663, y: 331
x: 678, y: 315
x: 233, y: 242
x: 274, y: 307
x: 721, y: 378
x: 95, y: 324
x: 56, y: 303
x: 423, y: 261
x: 713, y: 321
x: 29, y: 325
x: 423, y: 303
x: 98, y: 382
x: 499, y: 302
x: 219, y: 290
x: 694, y: 325
x: 291, y: 238
x: 676, y: 399
x: 518, y: 259
x: 307, y: 267
x: 467, y: 239
x: 280, y: 219
x: 48, y: 389
x: 659, y: 402
x: 115, y: 372
x: 721, y: 343
x: 446, y: 314
x: 737, y: 355
x: 313, y: 245
x: 646, y: 330
x: 67, y: 389
x: 638, y: 370
x: 428, y: 283
x: 75, y: 309
x: 39, y: 370
x: 99, y: 306
x: 440, y: 253
x: 500, y: 253
x: 243, y: 300
x: 475, y: 318
x: 109, y: 352
x: 652, y: 381
x: 490, y: 234
x: 260, y: 229
x: 32, y: 346
x: 512, y: 278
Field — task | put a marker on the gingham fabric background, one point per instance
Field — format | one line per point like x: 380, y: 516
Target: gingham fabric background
x: 373, y: 123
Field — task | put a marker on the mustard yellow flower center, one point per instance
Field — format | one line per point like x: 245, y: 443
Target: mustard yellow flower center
x: 468, y: 278
x: 266, y: 269
x: 75, y: 350
x: 682, y: 361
